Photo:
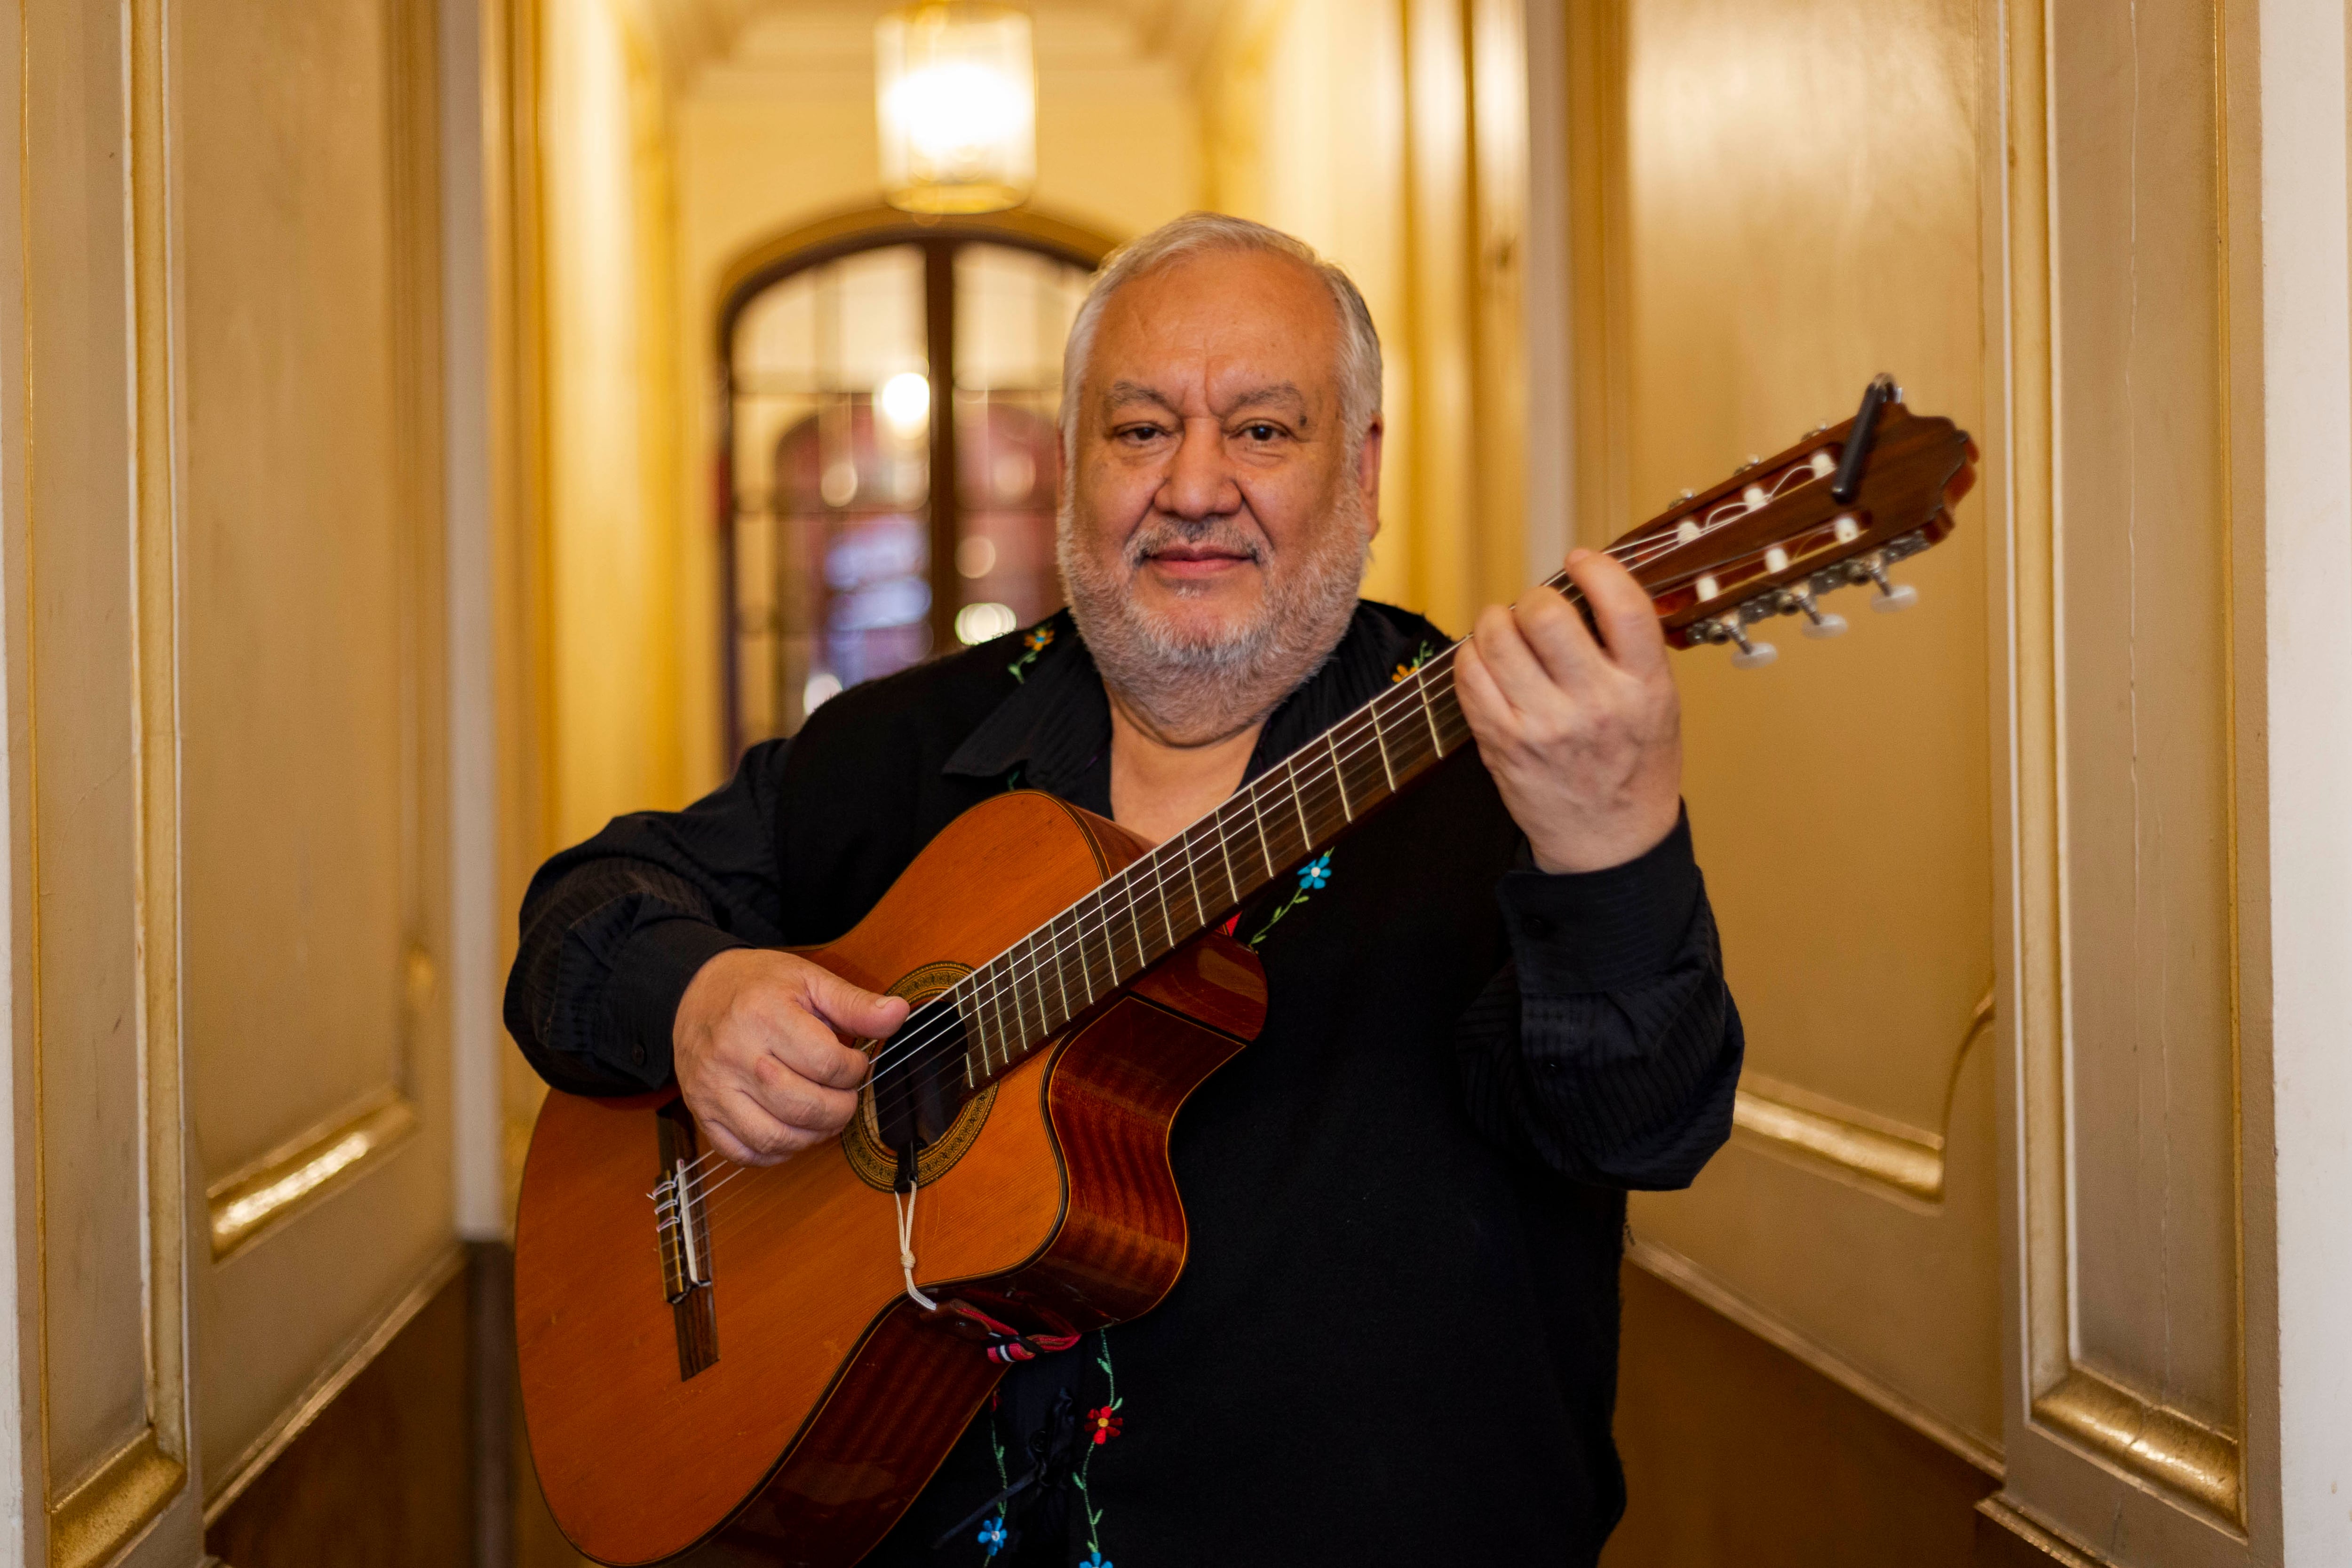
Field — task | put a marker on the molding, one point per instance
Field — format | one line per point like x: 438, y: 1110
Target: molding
x: 768, y: 260
x: 1812, y: 1127
x: 1670, y: 1266
x: 95, y: 1519
x: 306, y: 1169
x: 1911, y: 1164
x: 2044, y: 1539
x: 2183, y: 1457
x: 279, y: 1434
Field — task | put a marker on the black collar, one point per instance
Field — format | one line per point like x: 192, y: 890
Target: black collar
x: 1053, y: 724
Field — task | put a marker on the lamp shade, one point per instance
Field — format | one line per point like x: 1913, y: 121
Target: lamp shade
x: 956, y: 94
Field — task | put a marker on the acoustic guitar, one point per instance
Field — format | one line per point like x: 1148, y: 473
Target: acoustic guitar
x: 764, y: 1365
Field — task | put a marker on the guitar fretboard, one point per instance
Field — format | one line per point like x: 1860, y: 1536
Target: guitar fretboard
x: 1030, y: 993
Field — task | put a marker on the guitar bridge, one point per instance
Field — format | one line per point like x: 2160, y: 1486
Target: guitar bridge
x: 682, y: 1221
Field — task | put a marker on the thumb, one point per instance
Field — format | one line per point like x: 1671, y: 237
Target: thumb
x: 854, y: 1011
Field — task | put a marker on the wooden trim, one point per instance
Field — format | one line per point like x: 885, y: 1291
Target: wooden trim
x: 1687, y: 1277
x: 868, y: 229
x: 275, y: 1438
x: 306, y: 1169
x: 2149, y: 1441
x: 98, y: 1517
x: 2040, y: 1538
x: 1910, y: 1164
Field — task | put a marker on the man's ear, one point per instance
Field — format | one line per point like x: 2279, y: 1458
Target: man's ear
x: 1367, y: 474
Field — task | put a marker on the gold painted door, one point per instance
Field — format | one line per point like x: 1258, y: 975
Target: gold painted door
x: 312, y: 772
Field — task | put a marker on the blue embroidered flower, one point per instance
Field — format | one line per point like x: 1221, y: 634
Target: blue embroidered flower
x: 1315, y: 872
x: 1095, y: 1560
x: 992, y: 1535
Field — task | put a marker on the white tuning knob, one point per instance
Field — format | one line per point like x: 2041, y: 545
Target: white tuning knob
x: 1897, y: 596
x: 1826, y: 627
x: 1754, y: 656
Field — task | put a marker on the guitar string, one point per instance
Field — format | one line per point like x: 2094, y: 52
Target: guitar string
x: 1314, y: 795
x: 903, y: 1056
x: 1639, y: 552
x: 1315, y: 790
x: 1166, y: 869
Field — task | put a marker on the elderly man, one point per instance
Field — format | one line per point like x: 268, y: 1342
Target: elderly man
x: 1494, y: 1008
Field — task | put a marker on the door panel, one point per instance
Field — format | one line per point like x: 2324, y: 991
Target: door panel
x: 310, y: 689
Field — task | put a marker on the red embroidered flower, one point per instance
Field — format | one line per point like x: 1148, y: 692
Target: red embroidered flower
x: 1107, y: 1422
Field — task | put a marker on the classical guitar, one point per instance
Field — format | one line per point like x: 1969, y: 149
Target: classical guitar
x: 739, y: 1365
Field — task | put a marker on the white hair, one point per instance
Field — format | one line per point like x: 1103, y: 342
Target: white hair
x: 1192, y: 235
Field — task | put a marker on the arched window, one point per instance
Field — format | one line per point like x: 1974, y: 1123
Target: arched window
x: 844, y: 554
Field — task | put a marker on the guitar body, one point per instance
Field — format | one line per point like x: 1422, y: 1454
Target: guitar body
x: 789, y: 1411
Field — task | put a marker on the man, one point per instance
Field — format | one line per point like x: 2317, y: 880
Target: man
x: 1494, y: 1008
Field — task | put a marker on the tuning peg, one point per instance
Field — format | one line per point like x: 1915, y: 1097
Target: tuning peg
x: 1752, y: 655
x: 1820, y: 627
x: 1892, y: 596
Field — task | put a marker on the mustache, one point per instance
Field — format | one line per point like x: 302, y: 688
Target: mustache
x: 1216, y: 533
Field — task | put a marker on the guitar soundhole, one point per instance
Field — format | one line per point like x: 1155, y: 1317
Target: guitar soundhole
x: 929, y: 1099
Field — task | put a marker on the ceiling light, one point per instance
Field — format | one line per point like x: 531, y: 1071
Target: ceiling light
x: 956, y: 93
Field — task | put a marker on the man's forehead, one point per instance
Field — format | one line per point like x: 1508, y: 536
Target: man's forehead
x: 1226, y: 393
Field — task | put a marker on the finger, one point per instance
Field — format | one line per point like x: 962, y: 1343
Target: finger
x: 1519, y: 677
x: 730, y: 1147
x: 1483, y: 703
x: 770, y: 1137
x: 854, y: 1011
x: 1621, y: 609
x: 1556, y: 635
x: 806, y: 1044
x: 794, y: 1100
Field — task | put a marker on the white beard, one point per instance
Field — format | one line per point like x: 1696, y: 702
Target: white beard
x: 1193, y: 689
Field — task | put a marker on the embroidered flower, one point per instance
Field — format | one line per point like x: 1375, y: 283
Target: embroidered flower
x: 1095, y: 1560
x: 1315, y: 875
x: 992, y: 1535
x: 1315, y: 872
x: 1106, y: 1422
x: 1036, y: 642
x: 1416, y: 662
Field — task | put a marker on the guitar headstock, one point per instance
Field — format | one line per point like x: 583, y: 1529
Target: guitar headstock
x: 1775, y: 537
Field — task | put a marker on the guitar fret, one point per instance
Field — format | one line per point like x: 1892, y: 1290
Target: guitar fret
x: 1381, y: 744
x: 1200, y: 910
x: 1436, y: 739
x: 1338, y: 775
x: 1085, y: 965
x: 1306, y: 833
x: 1160, y: 886
x: 1257, y: 819
x: 1225, y: 852
x: 1060, y: 982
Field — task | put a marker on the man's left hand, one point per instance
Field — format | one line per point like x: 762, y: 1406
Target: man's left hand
x: 1582, y: 737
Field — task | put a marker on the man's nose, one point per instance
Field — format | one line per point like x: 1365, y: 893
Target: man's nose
x: 1199, y: 482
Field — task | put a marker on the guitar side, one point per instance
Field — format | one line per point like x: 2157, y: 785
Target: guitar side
x: 831, y: 1401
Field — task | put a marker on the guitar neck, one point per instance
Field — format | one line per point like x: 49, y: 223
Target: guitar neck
x: 1030, y: 992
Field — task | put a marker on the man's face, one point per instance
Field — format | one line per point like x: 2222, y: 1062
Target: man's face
x: 1213, y: 483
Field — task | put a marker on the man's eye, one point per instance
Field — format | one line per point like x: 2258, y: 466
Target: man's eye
x: 1261, y: 431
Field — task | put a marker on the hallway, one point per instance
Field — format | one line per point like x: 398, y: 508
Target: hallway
x: 430, y: 429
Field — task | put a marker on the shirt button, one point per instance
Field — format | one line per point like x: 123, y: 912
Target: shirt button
x: 637, y: 1054
x: 1536, y: 925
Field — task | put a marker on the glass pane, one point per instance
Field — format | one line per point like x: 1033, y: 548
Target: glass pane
x: 831, y: 469
x: 1012, y: 311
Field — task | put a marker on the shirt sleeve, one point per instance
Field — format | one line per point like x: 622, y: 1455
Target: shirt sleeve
x: 614, y: 930
x: 1609, y: 1049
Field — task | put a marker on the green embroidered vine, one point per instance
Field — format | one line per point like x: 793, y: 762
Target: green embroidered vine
x: 1314, y: 875
x: 1419, y: 659
x: 1104, y: 1423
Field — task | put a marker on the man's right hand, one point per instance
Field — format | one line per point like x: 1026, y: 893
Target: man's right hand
x: 757, y: 1057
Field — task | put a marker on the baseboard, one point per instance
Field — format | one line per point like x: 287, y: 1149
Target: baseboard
x: 2009, y: 1537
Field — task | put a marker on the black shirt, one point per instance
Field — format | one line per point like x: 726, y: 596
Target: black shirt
x: 1395, y: 1339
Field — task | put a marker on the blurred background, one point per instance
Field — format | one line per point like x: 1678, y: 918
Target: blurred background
x: 433, y: 427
